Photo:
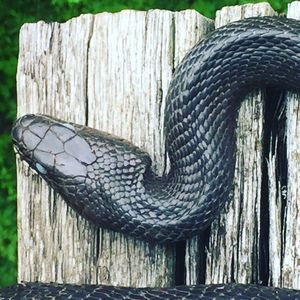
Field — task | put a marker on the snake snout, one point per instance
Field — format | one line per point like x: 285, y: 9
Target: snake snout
x: 51, y: 146
x: 22, y: 138
x: 19, y: 126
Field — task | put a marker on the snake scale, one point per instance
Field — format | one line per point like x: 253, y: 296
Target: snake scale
x: 110, y: 182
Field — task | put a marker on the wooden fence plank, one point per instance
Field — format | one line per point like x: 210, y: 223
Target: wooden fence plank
x: 291, y: 235
x: 233, y: 251
x: 51, y: 62
x: 129, y: 52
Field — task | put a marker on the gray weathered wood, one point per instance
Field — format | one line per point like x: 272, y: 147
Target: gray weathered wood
x: 128, y: 53
x: 291, y: 238
x: 233, y: 251
x: 284, y: 242
x: 52, y: 82
x: 275, y: 201
x: 290, y: 273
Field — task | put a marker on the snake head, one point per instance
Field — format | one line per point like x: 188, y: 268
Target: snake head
x: 52, y: 147
x: 87, y: 167
x: 56, y: 151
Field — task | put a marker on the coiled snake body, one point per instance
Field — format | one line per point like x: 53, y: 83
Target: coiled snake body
x: 110, y: 182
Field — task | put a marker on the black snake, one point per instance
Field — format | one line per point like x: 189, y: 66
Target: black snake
x: 110, y: 181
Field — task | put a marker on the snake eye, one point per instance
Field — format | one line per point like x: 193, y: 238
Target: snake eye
x: 40, y: 168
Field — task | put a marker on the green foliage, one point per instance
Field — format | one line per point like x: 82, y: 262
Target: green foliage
x: 13, y: 14
x: 208, y: 8
x: 8, y: 234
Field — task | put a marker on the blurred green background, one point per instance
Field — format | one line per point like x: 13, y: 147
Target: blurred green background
x: 13, y: 13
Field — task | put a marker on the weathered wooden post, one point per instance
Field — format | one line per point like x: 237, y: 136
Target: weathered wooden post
x: 290, y: 243
x: 112, y: 71
x: 238, y: 228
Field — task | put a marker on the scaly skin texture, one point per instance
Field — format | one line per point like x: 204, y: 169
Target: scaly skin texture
x: 110, y: 182
x: 93, y: 292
